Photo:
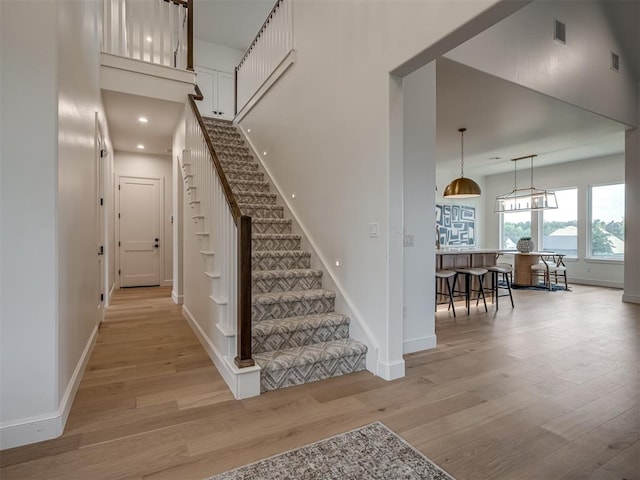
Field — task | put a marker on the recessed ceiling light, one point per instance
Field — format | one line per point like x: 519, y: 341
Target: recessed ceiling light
x: 248, y: 130
x: 264, y: 153
x: 140, y: 146
x: 143, y: 120
x: 149, y: 39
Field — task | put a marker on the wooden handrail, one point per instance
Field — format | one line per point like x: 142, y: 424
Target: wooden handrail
x: 255, y: 39
x: 243, y: 224
x: 190, y: 35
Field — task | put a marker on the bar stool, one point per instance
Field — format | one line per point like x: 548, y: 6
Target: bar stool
x: 506, y: 271
x: 469, y: 272
x: 446, y: 275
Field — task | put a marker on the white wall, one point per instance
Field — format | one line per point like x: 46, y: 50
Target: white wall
x: 28, y: 240
x: 522, y: 49
x: 157, y: 166
x: 216, y: 57
x: 579, y: 174
x: 632, y: 221
x: 419, y: 152
x: 49, y: 239
x: 325, y: 126
x: 177, y: 194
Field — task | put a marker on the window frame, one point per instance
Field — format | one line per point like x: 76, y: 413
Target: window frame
x: 541, y: 222
x: 589, y: 257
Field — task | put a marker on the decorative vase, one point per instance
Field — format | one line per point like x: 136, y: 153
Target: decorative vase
x: 525, y: 245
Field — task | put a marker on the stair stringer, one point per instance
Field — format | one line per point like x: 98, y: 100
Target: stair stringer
x: 358, y: 329
x: 210, y: 322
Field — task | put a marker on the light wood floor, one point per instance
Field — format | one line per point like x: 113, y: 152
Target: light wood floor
x: 549, y: 390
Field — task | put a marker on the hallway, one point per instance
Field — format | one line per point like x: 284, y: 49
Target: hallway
x: 548, y: 390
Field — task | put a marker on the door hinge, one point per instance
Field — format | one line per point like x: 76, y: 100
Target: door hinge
x: 119, y: 272
x: 118, y: 243
x: 102, y: 297
x: 102, y: 201
x: 118, y: 215
x: 101, y: 252
x: 103, y: 153
x: 118, y: 187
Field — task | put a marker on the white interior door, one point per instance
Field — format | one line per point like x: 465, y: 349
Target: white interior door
x: 224, y: 94
x: 139, y: 221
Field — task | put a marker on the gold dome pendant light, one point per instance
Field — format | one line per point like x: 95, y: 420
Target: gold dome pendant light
x: 462, y: 187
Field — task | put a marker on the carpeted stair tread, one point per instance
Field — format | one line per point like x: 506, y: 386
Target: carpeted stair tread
x: 288, y: 273
x: 294, y: 324
x: 275, y: 241
x: 255, y: 197
x: 292, y: 296
x: 270, y: 225
x: 282, y: 333
x: 309, y: 355
x: 246, y: 165
x: 265, y: 281
x: 234, y: 174
x: 258, y: 210
x: 249, y: 185
x: 280, y: 259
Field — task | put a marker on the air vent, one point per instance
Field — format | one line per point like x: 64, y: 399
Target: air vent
x: 560, y: 32
x: 615, y: 61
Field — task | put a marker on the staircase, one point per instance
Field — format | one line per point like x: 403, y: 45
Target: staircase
x: 297, y: 336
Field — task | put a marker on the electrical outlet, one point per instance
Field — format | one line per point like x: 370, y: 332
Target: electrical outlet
x: 373, y: 230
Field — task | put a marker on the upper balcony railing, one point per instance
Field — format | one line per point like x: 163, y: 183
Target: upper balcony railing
x: 155, y: 31
x: 266, y: 52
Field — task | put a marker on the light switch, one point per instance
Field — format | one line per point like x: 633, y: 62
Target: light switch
x: 408, y: 240
x: 373, y: 230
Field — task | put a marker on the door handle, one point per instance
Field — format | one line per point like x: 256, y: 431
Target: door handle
x: 155, y: 246
x: 156, y: 240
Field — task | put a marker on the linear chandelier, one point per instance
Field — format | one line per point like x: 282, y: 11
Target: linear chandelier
x: 525, y: 199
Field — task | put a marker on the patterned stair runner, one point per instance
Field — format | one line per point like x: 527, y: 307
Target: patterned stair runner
x: 297, y: 336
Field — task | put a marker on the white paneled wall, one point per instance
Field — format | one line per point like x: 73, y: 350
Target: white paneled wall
x: 271, y: 46
x: 219, y: 246
x: 149, y: 30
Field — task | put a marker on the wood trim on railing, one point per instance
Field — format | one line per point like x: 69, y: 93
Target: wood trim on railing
x: 235, y: 91
x: 226, y: 188
x: 243, y: 224
x: 190, y: 35
x: 255, y: 39
x: 243, y: 358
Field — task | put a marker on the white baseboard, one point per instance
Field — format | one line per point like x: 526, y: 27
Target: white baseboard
x: 166, y: 283
x: 595, y: 283
x: 629, y: 298
x: 177, y: 299
x: 45, y: 427
x: 243, y: 382
x: 419, y: 344
x: 391, y: 371
x: 108, y: 302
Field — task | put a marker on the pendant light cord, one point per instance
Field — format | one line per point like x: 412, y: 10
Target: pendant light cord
x: 462, y: 130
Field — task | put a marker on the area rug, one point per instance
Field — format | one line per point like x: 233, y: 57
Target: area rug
x: 369, y: 452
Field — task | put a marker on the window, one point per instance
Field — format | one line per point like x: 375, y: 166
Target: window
x: 560, y: 225
x: 514, y: 226
x: 606, y: 232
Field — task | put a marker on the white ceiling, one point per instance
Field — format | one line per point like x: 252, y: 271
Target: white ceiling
x: 506, y: 120
x: 126, y: 132
x: 232, y: 23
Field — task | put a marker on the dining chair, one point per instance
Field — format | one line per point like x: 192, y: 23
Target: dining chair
x: 550, y: 269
